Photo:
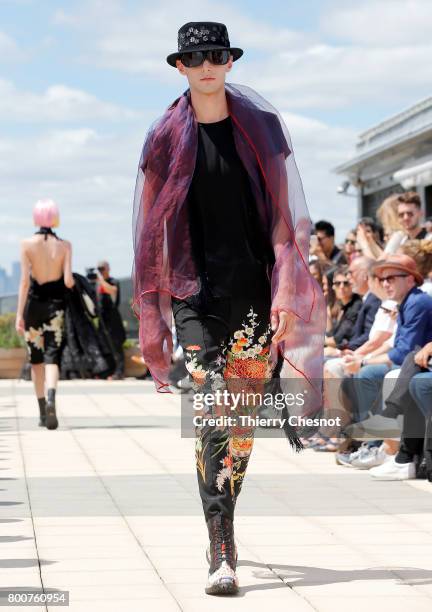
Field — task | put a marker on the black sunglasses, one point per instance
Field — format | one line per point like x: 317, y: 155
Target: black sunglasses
x: 390, y: 278
x: 341, y: 283
x: 219, y: 57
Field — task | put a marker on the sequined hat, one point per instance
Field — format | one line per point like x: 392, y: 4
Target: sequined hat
x: 203, y: 36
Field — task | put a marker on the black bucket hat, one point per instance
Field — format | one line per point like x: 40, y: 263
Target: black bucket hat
x: 203, y: 36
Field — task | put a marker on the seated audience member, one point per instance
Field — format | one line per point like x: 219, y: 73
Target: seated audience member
x: 400, y: 215
x: 421, y: 252
x: 333, y: 306
x: 318, y: 270
x: 412, y: 397
x: 381, y: 334
x: 349, y: 246
x: 372, y: 228
x: 325, y: 248
x: 349, y: 305
x: 387, y: 215
x: 400, y: 278
x: 359, y: 271
x: 370, y: 238
x: 410, y: 216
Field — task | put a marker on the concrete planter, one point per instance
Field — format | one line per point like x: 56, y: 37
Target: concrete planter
x: 132, y: 368
x: 11, y: 362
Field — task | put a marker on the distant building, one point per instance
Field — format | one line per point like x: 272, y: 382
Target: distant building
x: 16, y: 275
x: 9, y: 284
x: 393, y: 156
x: 3, y: 281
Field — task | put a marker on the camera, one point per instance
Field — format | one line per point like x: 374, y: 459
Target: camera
x: 91, y: 274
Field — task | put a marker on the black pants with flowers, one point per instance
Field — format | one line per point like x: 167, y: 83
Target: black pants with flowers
x: 226, y: 346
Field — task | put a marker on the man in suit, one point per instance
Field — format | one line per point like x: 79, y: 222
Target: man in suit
x: 359, y: 272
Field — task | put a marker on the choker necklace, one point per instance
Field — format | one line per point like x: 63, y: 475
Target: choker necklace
x: 47, y: 231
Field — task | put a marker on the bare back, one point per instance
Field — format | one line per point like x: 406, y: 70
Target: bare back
x: 46, y: 258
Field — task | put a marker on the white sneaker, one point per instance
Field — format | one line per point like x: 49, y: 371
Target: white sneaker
x: 347, y: 458
x: 370, y: 457
x: 390, y: 470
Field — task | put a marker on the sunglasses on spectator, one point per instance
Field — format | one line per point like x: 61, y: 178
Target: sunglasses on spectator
x: 219, y: 57
x: 407, y: 213
x: 340, y: 283
x: 349, y: 241
x: 391, y: 278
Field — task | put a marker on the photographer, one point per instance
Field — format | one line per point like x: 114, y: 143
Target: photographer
x: 108, y: 291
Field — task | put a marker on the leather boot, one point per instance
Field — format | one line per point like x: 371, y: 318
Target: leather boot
x: 42, y: 411
x: 222, y: 579
x: 51, y: 417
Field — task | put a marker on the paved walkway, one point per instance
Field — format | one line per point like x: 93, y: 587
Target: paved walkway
x: 107, y: 508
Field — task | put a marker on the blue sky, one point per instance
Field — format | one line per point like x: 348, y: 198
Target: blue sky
x: 80, y: 81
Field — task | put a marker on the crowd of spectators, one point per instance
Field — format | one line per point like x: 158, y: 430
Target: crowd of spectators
x: 378, y: 343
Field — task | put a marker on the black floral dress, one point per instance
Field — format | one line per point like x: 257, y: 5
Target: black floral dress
x: 44, y: 321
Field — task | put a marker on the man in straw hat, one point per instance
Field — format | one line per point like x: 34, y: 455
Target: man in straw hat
x: 400, y: 279
x: 221, y: 243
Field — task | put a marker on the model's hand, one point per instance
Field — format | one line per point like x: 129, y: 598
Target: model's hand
x: 422, y: 357
x: 19, y: 326
x: 282, y: 325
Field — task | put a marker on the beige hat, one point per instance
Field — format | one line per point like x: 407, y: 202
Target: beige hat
x: 401, y: 262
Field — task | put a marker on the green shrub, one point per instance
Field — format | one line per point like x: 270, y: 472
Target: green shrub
x: 8, y: 335
x: 130, y: 343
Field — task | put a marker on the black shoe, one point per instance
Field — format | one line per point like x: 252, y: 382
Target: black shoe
x: 51, y: 417
x: 222, y: 579
x: 42, y: 411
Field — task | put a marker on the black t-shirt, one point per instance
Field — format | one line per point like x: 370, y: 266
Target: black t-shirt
x: 228, y: 245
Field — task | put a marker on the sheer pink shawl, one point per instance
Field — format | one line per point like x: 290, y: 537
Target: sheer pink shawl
x: 163, y: 264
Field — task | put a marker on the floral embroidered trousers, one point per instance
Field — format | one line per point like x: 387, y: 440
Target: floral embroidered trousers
x: 44, y: 330
x: 226, y: 342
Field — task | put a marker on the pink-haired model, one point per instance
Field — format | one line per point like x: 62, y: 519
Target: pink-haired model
x: 46, y: 269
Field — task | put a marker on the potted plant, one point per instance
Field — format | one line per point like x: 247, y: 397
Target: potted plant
x: 12, y: 348
x: 134, y: 364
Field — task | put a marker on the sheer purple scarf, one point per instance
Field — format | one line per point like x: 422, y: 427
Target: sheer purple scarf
x: 163, y: 264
